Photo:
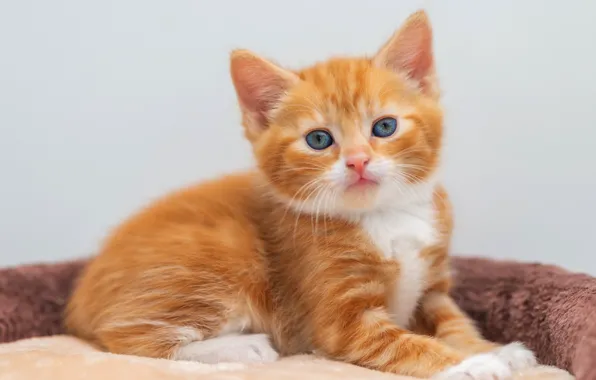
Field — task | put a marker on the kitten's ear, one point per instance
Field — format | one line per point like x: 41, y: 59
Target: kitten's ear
x: 260, y: 85
x: 410, y: 52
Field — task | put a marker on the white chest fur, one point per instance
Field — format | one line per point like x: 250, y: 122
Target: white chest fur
x: 400, y: 234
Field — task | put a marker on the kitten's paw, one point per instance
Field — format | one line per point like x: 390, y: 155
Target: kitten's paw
x: 516, y: 356
x: 477, y: 367
x: 253, y: 348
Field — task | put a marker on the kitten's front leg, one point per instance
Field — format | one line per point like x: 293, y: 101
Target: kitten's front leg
x: 454, y: 327
x: 350, y: 322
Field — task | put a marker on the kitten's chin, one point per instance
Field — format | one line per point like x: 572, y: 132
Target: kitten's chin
x: 361, y: 195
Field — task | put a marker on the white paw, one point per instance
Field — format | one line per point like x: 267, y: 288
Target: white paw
x: 253, y: 348
x: 516, y: 356
x: 477, y: 367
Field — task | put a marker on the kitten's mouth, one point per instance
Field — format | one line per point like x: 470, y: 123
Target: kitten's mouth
x: 363, y: 184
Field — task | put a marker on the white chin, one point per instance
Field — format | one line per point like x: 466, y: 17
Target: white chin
x: 360, y: 196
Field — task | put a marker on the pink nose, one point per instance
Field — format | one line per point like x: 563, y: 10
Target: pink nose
x: 357, y: 163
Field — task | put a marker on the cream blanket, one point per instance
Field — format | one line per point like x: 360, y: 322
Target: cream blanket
x: 67, y: 358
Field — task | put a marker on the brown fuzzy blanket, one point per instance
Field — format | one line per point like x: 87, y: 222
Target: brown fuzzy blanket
x: 549, y: 309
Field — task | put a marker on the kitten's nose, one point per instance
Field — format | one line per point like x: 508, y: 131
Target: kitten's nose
x: 357, y: 163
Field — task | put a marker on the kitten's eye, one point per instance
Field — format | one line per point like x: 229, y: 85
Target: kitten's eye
x: 319, y: 139
x: 384, y: 127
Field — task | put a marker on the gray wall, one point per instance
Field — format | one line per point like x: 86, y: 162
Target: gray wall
x: 107, y: 104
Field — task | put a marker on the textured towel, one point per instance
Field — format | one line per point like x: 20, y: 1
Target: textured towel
x: 32, y: 299
x: 549, y: 309
x: 66, y: 358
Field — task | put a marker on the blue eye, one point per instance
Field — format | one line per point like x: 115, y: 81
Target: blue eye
x: 319, y: 139
x: 384, y: 127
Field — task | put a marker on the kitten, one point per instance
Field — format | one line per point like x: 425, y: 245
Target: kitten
x: 337, y: 244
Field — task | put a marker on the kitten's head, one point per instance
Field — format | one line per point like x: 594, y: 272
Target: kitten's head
x: 347, y: 134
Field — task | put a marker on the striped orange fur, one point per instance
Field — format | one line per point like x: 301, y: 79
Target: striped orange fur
x: 340, y: 251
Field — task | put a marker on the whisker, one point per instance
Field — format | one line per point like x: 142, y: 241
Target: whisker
x: 303, y: 189
x: 320, y: 198
x: 299, y: 213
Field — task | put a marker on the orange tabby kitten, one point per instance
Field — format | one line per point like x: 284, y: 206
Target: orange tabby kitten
x: 336, y: 244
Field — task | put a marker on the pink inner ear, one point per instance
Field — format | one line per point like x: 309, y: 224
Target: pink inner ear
x: 410, y: 51
x: 419, y: 62
x: 412, y: 55
x: 267, y: 96
x: 259, y: 86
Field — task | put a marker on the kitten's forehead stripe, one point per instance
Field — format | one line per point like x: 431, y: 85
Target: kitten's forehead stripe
x: 342, y: 83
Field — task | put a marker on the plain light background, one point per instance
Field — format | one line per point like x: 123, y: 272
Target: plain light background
x: 105, y: 105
